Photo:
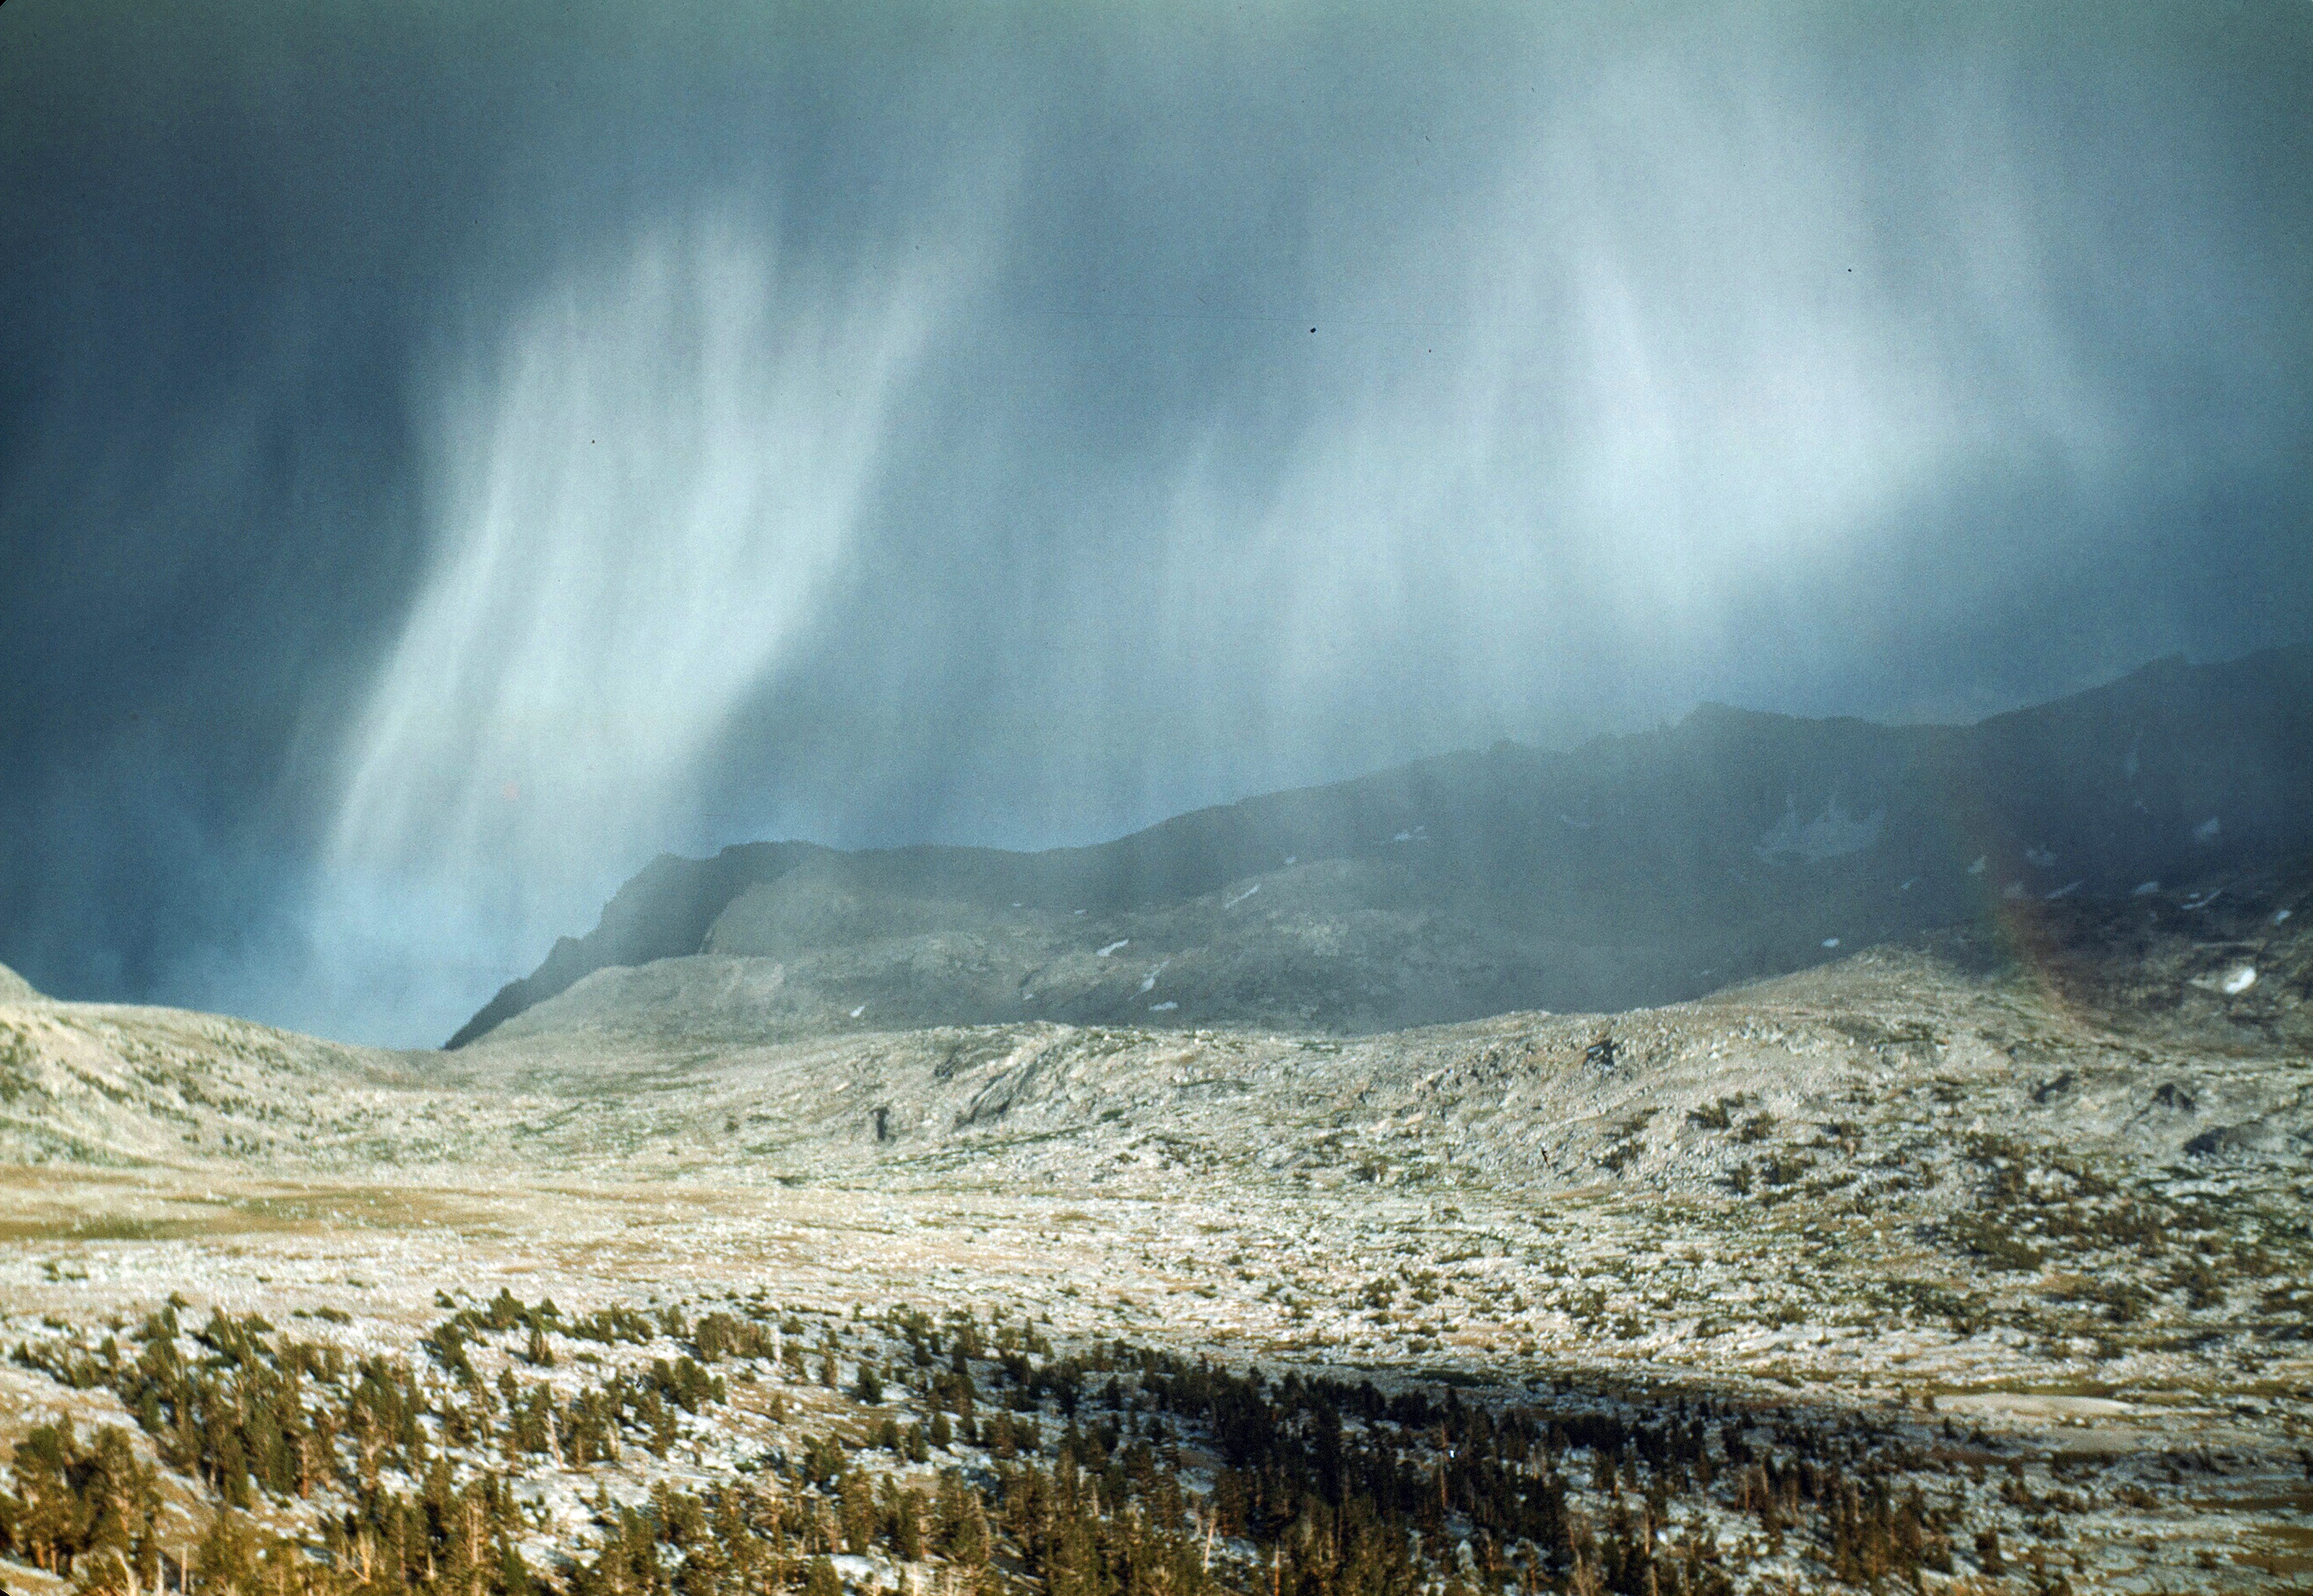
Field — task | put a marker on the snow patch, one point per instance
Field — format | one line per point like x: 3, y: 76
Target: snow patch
x: 1831, y: 941
x: 2042, y: 858
x: 1165, y: 1007
x: 2238, y: 980
x: 2145, y: 889
x: 2066, y: 891
x: 859, y: 1010
x: 1241, y: 897
x: 1977, y: 868
x: 1830, y: 835
x: 1122, y: 942
x: 2208, y: 831
x: 1149, y: 985
x: 2012, y: 891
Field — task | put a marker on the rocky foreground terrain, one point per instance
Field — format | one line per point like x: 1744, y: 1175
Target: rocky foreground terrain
x: 1977, y: 1259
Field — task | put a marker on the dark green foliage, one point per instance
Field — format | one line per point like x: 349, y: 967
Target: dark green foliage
x: 1319, y: 1486
x: 685, y: 1384
x: 717, y: 1336
x: 88, y: 1505
x: 1989, y: 1239
x: 613, y: 1325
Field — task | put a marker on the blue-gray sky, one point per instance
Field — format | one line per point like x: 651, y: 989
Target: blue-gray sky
x: 450, y: 453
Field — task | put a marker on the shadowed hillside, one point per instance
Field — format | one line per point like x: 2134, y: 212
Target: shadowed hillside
x: 1631, y: 871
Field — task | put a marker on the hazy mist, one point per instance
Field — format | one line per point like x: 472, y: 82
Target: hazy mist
x: 444, y: 461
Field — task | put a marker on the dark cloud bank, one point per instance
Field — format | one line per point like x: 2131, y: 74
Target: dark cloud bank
x: 450, y: 455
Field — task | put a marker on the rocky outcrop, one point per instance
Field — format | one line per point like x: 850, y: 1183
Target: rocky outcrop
x: 663, y: 913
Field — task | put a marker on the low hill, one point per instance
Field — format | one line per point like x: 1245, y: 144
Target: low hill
x: 1631, y: 871
x: 122, y: 1084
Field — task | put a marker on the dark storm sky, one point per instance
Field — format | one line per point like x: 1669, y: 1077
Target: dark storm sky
x: 450, y: 453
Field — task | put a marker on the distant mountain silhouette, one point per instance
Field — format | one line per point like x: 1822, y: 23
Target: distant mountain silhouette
x: 1632, y: 870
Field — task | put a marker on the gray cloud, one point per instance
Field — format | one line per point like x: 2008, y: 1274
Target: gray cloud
x: 445, y: 459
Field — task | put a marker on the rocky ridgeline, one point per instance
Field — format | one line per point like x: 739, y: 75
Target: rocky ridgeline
x: 2155, y: 1028
x: 1630, y: 871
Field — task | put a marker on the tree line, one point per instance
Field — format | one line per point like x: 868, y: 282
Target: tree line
x: 1000, y: 1466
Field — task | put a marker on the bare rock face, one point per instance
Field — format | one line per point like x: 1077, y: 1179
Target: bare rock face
x: 15, y: 988
x: 1633, y: 871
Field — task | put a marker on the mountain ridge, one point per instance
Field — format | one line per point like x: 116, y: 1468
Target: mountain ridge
x: 1632, y: 870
